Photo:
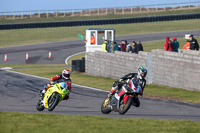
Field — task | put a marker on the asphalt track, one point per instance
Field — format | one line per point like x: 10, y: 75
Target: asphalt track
x: 19, y: 93
x: 38, y: 54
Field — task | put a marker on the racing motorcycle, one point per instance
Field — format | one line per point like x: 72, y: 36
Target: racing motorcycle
x: 53, y: 96
x: 122, y: 100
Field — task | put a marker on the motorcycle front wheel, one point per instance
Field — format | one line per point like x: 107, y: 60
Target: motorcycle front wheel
x: 124, y: 106
x: 53, y: 101
x: 104, y: 107
x: 40, y: 106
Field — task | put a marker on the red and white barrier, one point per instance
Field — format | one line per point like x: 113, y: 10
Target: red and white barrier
x: 26, y: 55
x: 5, y: 57
x: 50, y: 55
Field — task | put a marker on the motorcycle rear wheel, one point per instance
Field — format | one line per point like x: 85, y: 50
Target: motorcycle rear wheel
x: 124, y: 107
x: 53, y: 101
x: 104, y: 107
x: 40, y: 106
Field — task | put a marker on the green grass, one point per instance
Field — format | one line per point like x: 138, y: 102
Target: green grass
x: 151, y: 91
x: 110, y: 16
x: 43, y: 35
x: 39, y: 123
x: 148, y: 46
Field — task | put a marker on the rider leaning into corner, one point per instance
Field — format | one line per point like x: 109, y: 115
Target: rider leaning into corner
x: 64, y: 77
x: 138, y: 80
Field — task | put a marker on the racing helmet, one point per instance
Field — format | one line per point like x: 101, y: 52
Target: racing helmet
x: 142, y: 72
x: 66, y: 74
x: 63, y: 85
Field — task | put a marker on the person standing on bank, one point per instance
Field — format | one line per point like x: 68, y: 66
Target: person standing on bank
x: 175, y: 44
x: 168, y: 44
x: 135, y: 47
x: 140, y: 47
x: 193, y: 43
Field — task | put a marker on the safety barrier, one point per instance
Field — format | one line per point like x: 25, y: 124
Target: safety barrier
x: 100, y: 22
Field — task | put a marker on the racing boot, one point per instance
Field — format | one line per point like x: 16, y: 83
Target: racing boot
x: 136, y: 102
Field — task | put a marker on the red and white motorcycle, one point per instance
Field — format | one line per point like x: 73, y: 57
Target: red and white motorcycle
x: 122, y: 100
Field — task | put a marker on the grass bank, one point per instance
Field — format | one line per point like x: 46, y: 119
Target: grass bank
x: 110, y: 16
x: 151, y: 91
x: 43, y: 35
x: 37, y: 123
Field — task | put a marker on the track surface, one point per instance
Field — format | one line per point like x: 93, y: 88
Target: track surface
x: 38, y: 54
x: 19, y: 93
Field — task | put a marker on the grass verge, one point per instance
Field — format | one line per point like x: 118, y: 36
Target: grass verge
x: 151, y: 91
x: 43, y: 35
x: 37, y: 123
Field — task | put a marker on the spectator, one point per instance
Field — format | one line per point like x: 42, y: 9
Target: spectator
x: 93, y: 39
x: 175, y: 44
x: 103, y: 46
x: 193, y: 43
x: 117, y: 47
x: 108, y: 46
x: 168, y: 44
x: 187, y: 45
x: 123, y: 46
x: 129, y: 48
x: 135, y: 47
x: 140, y: 47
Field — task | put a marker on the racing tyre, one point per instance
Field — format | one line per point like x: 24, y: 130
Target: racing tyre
x: 40, y: 106
x: 104, y: 107
x: 53, y: 101
x: 124, y: 107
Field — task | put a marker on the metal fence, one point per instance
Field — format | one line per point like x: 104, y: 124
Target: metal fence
x: 99, y: 11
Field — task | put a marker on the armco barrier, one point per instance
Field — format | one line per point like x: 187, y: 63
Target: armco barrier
x: 100, y: 22
x: 179, y: 70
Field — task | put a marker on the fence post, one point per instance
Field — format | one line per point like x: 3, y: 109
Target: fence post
x: 39, y: 13
x: 64, y: 12
x: 30, y: 13
x: 98, y: 11
x: 106, y: 11
x: 131, y: 10
x: 56, y: 13
x: 140, y: 9
x: 47, y: 14
x: 115, y: 11
x: 81, y: 12
x: 22, y: 15
x: 5, y: 15
x: 13, y: 15
x: 72, y: 12
x: 156, y: 8
x: 122, y: 10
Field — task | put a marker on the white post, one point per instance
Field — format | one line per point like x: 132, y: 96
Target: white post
x: 56, y: 13
x: 5, y: 15
x: 64, y: 12
x: 39, y: 13
x: 47, y: 14
x: 13, y: 15
x: 89, y: 12
x: 114, y: 10
x: 72, y: 12
x: 30, y: 14
x: 131, y: 10
x: 22, y: 15
x: 122, y: 10
x: 140, y: 9
x: 98, y: 11
x: 106, y: 11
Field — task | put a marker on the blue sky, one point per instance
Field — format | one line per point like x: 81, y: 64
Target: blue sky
x: 25, y: 5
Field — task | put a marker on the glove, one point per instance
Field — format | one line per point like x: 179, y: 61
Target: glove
x: 52, y: 83
x: 110, y: 95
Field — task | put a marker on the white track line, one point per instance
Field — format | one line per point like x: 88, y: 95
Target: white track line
x: 66, y: 60
x: 49, y: 79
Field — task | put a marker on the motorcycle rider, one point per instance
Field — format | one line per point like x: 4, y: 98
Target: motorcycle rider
x: 64, y: 77
x: 138, y: 80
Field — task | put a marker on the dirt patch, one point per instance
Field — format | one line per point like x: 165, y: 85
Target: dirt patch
x: 162, y: 97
